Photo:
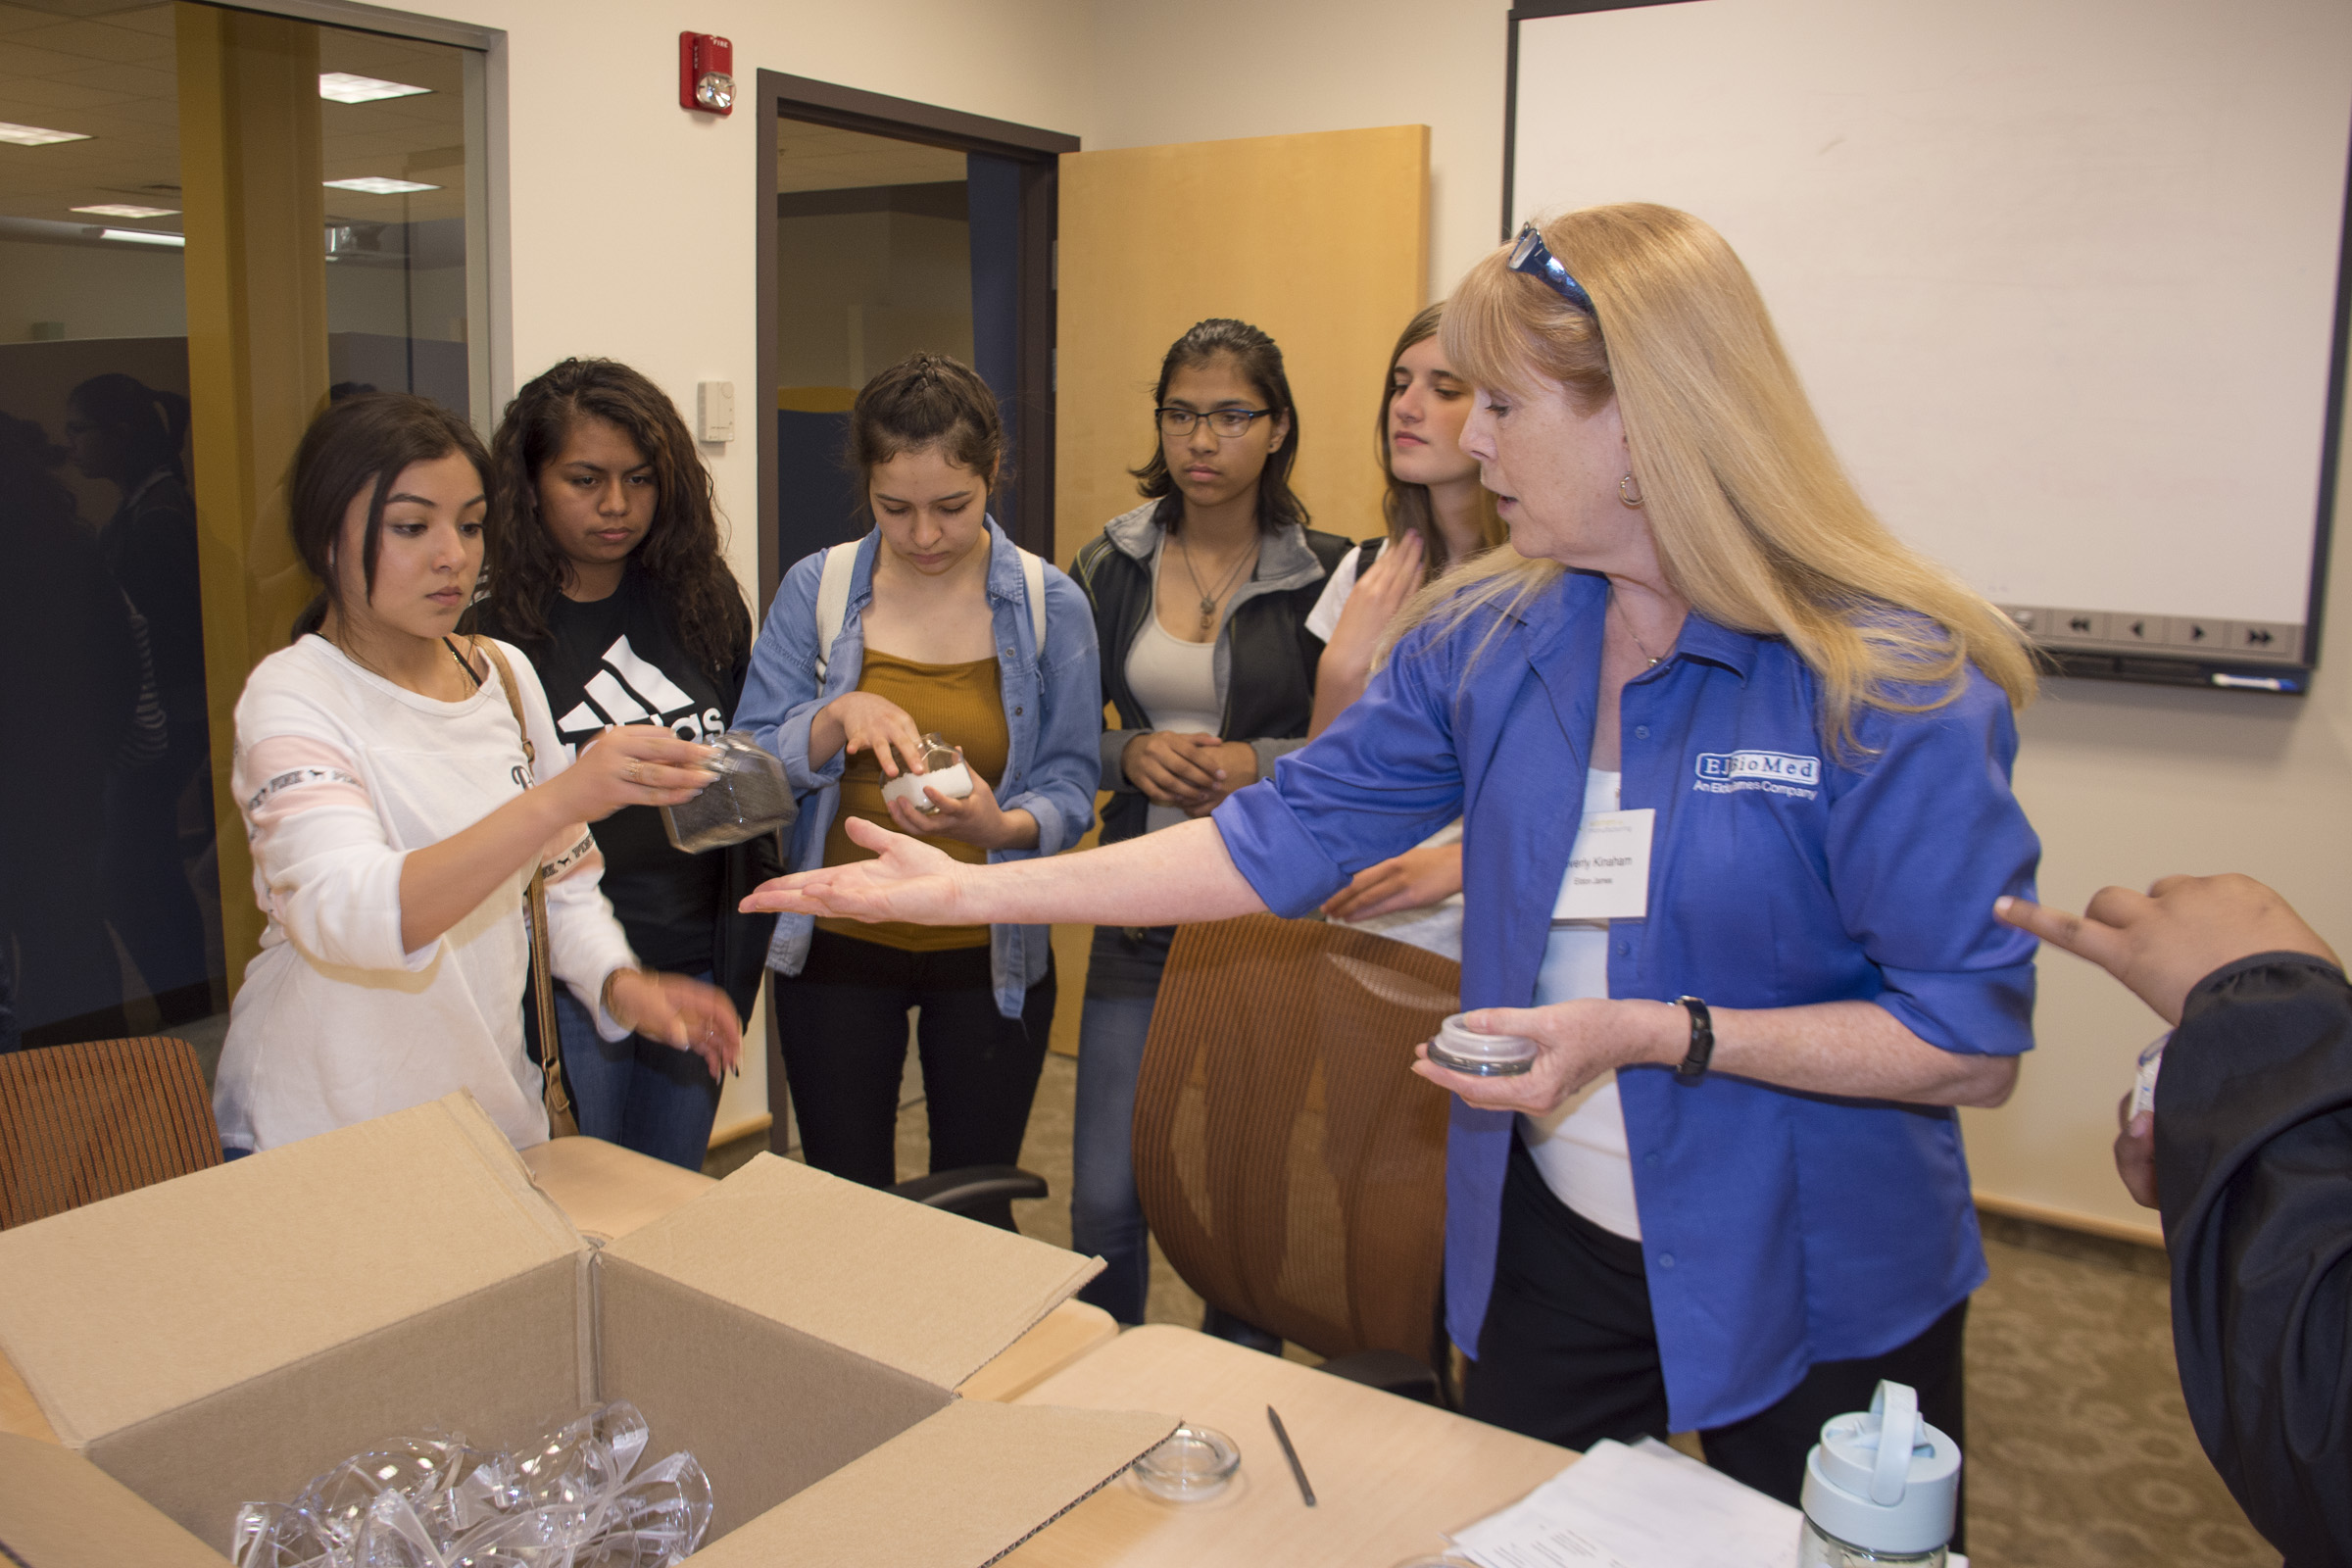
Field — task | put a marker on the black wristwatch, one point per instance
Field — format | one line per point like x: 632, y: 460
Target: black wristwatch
x: 1702, y: 1040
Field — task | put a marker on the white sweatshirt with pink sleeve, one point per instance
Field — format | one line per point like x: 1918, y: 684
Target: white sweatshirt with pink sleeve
x: 339, y: 773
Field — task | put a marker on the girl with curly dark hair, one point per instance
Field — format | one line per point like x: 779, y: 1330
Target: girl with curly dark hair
x: 605, y: 568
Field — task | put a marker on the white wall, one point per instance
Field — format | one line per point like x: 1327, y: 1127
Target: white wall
x: 632, y: 226
x: 1289, y: 65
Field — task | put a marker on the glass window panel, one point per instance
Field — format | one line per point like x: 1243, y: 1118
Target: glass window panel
x: 145, y: 567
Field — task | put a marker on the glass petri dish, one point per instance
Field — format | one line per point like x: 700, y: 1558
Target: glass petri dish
x: 1482, y: 1054
x: 1193, y: 1465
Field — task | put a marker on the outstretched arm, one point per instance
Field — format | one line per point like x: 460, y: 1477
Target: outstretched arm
x: 1177, y: 875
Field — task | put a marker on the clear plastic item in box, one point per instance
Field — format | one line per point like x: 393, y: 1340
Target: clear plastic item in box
x: 942, y: 770
x: 747, y: 797
x: 569, y: 1498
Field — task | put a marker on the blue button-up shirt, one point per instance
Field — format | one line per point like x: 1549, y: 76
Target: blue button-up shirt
x: 1053, y: 725
x: 1779, y: 1229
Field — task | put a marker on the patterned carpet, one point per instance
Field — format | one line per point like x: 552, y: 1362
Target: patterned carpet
x: 2080, y: 1454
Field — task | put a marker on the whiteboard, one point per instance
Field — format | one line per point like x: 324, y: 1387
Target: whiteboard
x: 2062, y: 277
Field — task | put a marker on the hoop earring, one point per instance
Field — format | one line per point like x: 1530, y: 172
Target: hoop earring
x: 1629, y: 492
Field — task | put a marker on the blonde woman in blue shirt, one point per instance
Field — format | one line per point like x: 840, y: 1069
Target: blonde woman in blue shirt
x: 1731, y: 1196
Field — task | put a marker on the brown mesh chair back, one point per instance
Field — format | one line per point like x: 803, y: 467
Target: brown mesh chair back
x: 1289, y: 1160
x: 87, y: 1121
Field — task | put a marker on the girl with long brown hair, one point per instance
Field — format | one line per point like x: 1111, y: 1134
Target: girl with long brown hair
x: 606, y: 567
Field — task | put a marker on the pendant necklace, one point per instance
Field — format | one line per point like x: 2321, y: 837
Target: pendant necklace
x: 1627, y: 621
x: 1208, y: 601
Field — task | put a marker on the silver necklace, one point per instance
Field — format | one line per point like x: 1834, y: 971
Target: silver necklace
x: 1208, y: 601
x: 1627, y: 621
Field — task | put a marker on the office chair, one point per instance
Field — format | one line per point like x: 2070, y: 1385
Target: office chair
x: 1290, y: 1164
x: 97, y: 1118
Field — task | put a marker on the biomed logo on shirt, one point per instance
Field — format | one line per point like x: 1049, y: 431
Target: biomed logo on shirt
x: 1782, y: 772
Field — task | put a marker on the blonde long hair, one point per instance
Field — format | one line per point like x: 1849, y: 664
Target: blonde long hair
x: 1756, y: 523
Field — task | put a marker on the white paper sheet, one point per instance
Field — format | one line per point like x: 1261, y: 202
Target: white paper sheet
x: 1644, y: 1506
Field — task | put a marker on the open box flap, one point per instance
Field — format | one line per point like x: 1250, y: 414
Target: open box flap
x: 59, y: 1510
x: 122, y: 1311
x: 833, y: 1262
x: 956, y: 1490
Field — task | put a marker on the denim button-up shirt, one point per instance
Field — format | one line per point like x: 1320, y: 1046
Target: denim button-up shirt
x: 1052, y: 716
x: 1779, y: 1229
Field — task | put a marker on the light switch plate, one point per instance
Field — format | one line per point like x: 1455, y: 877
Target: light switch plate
x: 715, y: 411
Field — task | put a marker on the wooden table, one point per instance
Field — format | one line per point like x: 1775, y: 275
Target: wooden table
x: 1389, y: 1474
x: 607, y: 1191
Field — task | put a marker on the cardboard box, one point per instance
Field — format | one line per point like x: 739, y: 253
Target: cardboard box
x: 224, y: 1336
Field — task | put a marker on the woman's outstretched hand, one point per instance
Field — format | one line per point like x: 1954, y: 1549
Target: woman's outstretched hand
x: 909, y: 880
x: 682, y: 1013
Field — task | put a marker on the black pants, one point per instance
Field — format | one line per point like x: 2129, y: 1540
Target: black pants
x: 1569, y: 1351
x: 843, y: 1023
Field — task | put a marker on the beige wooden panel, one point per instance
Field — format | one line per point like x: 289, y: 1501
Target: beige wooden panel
x: 1321, y: 239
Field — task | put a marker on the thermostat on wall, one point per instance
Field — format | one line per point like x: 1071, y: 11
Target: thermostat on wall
x: 715, y: 411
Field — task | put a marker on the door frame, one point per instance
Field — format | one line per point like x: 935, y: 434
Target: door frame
x: 781, y: 96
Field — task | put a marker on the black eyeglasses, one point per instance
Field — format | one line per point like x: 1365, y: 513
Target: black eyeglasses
x: 1530, y: 257
x: 1226, y: 422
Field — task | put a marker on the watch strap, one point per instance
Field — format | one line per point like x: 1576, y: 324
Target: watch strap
x: 1694, y: 1066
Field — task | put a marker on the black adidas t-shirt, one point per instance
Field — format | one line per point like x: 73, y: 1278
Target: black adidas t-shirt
x: 614, y: 661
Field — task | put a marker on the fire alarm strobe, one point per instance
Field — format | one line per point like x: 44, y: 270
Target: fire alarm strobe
x: 706, y: 74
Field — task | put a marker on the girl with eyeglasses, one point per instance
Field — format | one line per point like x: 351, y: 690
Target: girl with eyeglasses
x: 1201, y: 598
x: 1733, y: 764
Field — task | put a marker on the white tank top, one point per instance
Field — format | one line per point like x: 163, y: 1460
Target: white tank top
x: 1176, y: 684
x: 1580, y: 1146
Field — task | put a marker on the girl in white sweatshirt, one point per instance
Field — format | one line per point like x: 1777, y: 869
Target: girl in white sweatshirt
x: 395, y: 816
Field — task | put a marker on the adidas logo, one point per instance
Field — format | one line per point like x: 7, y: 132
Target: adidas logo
x: 630, y: 690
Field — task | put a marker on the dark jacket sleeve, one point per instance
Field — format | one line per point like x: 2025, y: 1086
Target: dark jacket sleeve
x: 2254, y: 1168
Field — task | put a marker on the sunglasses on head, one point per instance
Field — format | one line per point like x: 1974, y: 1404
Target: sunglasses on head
x: 1528, y: 255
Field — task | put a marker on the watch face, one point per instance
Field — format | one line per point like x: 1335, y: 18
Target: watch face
x: 715, y: 90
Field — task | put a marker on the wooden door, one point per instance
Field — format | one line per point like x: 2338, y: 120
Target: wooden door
x: 1320, y: 239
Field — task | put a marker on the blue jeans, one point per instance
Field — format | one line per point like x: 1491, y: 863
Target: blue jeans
x: 1107, y: 1218
x: 638, y: 1092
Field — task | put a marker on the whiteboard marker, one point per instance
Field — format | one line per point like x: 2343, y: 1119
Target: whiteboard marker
x: 2260, y: 683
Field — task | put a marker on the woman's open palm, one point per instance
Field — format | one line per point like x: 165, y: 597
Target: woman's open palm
x: 909, y: 880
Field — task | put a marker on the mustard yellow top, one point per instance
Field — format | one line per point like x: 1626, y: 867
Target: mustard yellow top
x: 962, y: 705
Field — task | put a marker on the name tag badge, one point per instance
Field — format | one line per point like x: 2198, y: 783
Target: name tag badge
x: 1608, y: 870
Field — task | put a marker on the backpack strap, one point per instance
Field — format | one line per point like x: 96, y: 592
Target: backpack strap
x: 833, y: 601
x: 1033, y: 583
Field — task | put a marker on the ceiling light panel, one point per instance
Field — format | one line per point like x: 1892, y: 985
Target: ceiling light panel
x: 378, y: 185
x: 342, y: 87
x: 126, y: 210
x: 35, y: 135
x: 143, y: 236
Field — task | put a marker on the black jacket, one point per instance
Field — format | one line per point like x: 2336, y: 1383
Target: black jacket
x: 1265, y: 656
x: 2254, y: 1169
